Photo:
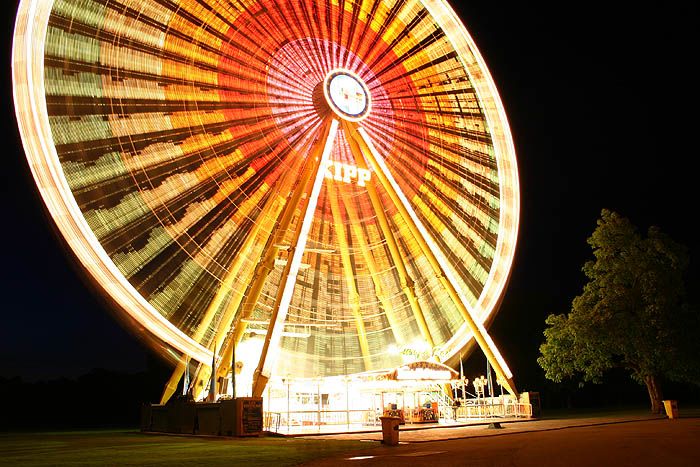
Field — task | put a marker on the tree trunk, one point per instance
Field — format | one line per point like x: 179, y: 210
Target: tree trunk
x: 655, y: 396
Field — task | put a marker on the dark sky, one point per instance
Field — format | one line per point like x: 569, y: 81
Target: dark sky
x: 601, y: 101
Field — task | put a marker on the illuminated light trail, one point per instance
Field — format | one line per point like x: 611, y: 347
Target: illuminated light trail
x: 167, y: 139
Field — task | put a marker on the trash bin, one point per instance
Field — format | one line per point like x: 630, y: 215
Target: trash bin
x: 671, y: 408
x: 390, y: 430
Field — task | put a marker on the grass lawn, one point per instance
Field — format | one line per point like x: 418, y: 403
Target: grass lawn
x: 114, y: 447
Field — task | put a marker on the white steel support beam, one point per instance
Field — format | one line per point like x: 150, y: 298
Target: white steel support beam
x: 434, y: 255
x: 282, y: 209
x: 236, y: 271
x: 291, y: 269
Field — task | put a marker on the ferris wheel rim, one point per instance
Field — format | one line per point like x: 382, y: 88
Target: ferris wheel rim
x: 33, y: 16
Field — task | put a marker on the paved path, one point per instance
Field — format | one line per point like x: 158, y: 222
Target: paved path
x: 600, y: 442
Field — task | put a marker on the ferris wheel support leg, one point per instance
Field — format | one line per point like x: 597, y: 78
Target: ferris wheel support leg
x: 234, y: 270
x: 272, y: 207
x: 291, y: 269
x: 407, y: 285
x: 349, y: 275
x: 171, y: 385
x: 437, y: 260
x: 373, y: 269
x: 283, y: 210
x: 279, y: 204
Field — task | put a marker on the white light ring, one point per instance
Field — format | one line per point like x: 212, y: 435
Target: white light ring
x: 30, y: 104
x: 331, y: 102
x: 32, y: 117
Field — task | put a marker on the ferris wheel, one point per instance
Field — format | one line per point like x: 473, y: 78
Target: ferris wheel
x: 329, y: 185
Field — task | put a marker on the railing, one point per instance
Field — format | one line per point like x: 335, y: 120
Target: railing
x: 522, y: 410
x: 444, y: 400
x: 486, y: 409
x: 319, y: 418
x: 271, y: 421
x: 316, y: 419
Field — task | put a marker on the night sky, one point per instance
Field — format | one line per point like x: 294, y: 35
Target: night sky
x: 601, y: 101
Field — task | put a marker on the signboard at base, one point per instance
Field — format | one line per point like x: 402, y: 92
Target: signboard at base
x: 249, y: 416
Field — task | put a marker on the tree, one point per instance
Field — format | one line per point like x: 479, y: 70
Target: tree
x: 631, y: 314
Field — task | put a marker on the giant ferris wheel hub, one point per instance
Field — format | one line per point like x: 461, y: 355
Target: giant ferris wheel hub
x: 347, y: 95
x: 338, y: 177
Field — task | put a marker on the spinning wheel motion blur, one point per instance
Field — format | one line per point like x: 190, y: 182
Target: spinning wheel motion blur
x: 336, y: 176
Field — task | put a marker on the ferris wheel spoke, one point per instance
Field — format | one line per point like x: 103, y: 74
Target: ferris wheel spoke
x: 348, y: 274
x: 360, y: 235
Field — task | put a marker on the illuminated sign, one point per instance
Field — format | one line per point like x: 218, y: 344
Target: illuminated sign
x: 425, y: 370
x: 347, y: 173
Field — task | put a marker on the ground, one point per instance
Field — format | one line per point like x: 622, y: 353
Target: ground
x: 619, y: 439
x: 658, y: 442
x: 109, y: 447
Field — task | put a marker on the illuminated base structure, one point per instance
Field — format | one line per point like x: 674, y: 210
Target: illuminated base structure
x: 304, y: 190
x: 418, y: 393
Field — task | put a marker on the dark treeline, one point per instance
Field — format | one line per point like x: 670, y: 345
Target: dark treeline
x: 100, y: 398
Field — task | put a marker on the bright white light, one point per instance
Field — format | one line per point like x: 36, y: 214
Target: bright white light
x: 347, y: 95
x: 420, y: 345
x: 248, y: 353
x: 422, y: 374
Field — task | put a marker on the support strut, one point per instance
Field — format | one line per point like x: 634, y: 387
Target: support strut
x: 407, y: 284
x: 435, y: 257
x: 270, y: 209
x: 291, y: 269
